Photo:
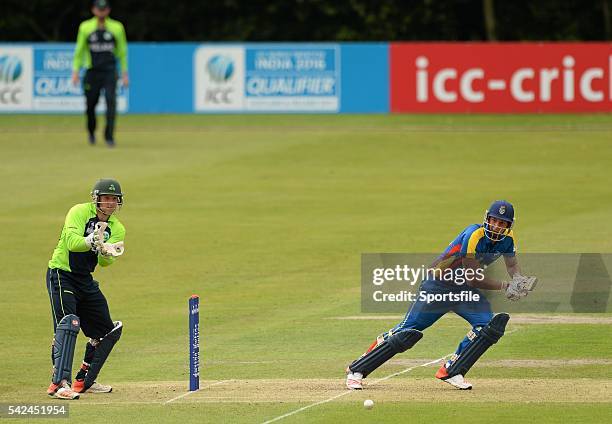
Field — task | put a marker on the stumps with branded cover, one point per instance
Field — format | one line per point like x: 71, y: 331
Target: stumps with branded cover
x: 194, y: 343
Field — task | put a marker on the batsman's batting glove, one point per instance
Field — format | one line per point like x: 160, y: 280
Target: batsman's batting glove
x: 524, y: 283
x: 512, y: 291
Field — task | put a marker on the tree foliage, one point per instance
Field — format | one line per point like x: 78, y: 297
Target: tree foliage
x: 316, y: 20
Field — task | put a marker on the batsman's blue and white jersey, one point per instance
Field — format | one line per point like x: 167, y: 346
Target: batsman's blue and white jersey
x: 472, y: 242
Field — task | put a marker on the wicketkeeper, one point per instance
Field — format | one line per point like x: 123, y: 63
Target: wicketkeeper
x: 92, y: 235
x: 475, y: 247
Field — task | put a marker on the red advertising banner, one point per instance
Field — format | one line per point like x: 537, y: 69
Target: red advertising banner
x: 501, y: 77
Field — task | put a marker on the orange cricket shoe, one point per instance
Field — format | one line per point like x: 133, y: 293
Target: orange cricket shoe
x: 62, y: 391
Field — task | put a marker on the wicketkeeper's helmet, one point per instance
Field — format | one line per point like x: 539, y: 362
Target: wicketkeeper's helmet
x: 107, y: 186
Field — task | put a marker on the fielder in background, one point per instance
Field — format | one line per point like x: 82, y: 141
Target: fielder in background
x: 100, y: 43
x: 92, y: 235
x: 476, y: 247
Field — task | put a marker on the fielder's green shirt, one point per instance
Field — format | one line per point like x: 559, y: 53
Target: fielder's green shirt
x: 99, y: 49
x: 72, y: 253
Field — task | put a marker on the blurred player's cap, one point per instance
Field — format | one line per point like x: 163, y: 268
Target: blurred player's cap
x: 101, y: 4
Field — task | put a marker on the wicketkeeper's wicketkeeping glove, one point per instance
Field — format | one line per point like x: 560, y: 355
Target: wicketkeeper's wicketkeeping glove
x: 112, y: 249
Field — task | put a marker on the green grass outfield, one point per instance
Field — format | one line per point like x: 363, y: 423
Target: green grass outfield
x: 265, y: 217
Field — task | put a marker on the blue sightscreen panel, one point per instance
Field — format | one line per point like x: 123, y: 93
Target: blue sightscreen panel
x: 365, y: 78
x: 161, y: 77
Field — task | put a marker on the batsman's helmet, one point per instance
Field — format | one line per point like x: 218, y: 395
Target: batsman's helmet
x: 503, y: 210
x: 107, y: 186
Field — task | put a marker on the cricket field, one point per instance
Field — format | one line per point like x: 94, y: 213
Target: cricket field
x: 265, y: 217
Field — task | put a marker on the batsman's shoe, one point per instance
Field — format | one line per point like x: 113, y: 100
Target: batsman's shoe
x: 442, y: 374
x: 459, y: 382
x: 99, y: 388
x: 62, y: 391
x: 354, y: 380
x: 456, y: 381
x: 79, y: 387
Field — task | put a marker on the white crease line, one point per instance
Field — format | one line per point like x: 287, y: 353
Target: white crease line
x: 351, y: 391
x: 201, y: 388
x: 410, y: 369
x: 347, y: 392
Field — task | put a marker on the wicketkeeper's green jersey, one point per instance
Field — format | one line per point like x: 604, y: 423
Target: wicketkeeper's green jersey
x: 72, y: 253
x: 99, y: 49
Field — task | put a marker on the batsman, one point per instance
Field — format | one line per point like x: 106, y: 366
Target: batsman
x: 476, y: 247
x: 92, y: 235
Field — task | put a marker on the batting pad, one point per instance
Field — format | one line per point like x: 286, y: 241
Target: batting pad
x: 397, y: 343
x: 63, y: 347
x: 479, y: 343
x: 103, y: 350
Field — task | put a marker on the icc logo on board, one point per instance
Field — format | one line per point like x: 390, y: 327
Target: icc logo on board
x: 220, y: 69
x: 11, y: 69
